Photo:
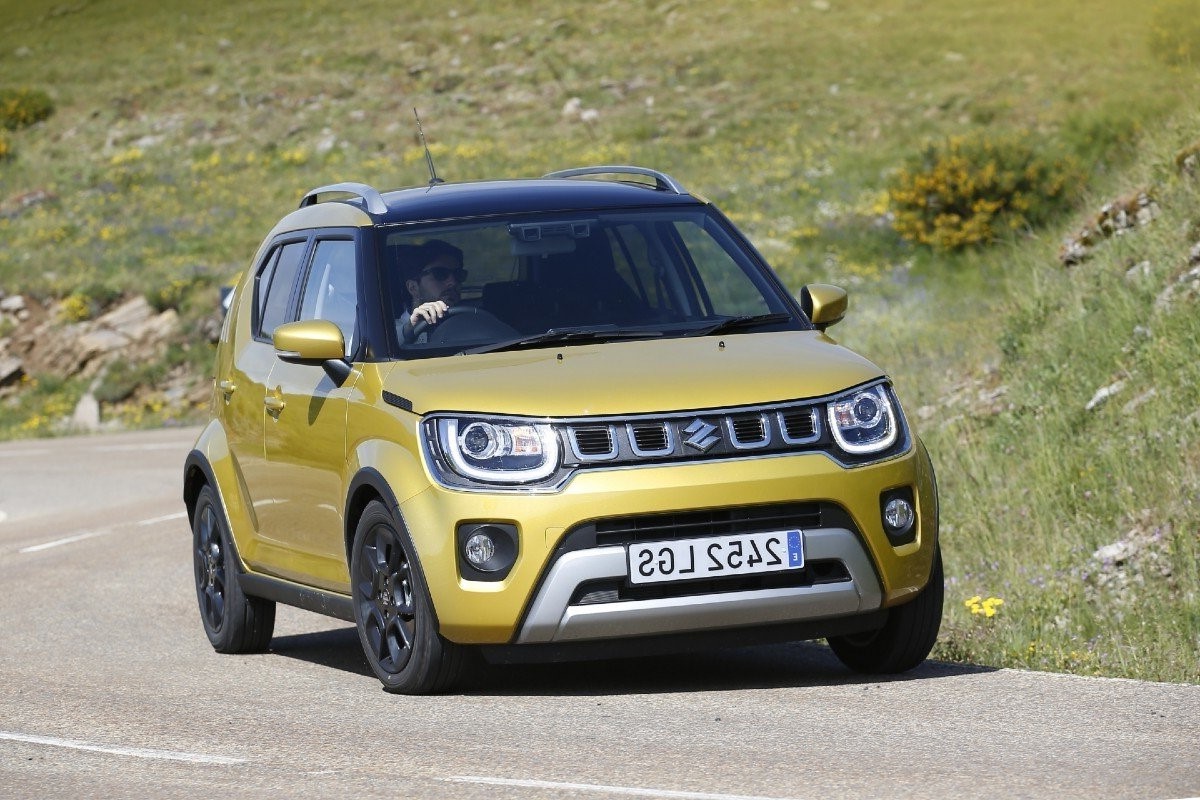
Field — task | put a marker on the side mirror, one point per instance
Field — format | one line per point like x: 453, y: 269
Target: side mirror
x: 316, y: 342
x: 824, y: 304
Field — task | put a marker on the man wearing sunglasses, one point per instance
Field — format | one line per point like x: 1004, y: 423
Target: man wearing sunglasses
x: 435, y: 276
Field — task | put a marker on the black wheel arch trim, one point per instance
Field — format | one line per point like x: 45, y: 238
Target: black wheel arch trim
x: 368, y: 481
x: 196, y: 460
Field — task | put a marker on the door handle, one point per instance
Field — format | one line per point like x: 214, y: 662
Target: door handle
x: 274, y: 403
x: 227, y: 386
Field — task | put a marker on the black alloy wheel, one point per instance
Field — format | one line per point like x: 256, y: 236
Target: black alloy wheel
x: 393, y: 611
x: 384, y: 593
x: 233, y: 622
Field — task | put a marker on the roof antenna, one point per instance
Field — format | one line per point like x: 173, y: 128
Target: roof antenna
x: 434, y: 180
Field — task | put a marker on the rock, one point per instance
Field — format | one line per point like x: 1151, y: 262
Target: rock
x: 128, y: 317
x: 12, y: 304
x: 1103, y: 394
x: 11, y: 370
x: 1117, y: 552
x: 1137, y: 271
x: 1138, y: 401
x: 87, y: 413
x: 99, y: 342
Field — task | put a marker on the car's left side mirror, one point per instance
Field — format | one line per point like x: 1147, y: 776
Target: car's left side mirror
x: 313, y: 341
x: 824, y: 304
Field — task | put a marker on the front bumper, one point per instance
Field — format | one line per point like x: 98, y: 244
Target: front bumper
x: 540, y: 600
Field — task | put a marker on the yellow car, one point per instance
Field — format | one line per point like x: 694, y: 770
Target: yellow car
x: 575, y: 416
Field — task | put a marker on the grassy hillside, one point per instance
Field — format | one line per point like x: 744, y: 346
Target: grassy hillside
x: 180, y: 134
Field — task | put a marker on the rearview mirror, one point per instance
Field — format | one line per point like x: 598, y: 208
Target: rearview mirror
x: 824, y: 304
x: 314, y: 341
x: 309, y: 341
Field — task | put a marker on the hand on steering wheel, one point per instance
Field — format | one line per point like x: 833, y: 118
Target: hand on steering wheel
x: 426, y: 315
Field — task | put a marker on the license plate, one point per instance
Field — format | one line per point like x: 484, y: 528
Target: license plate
x: 716, y: 556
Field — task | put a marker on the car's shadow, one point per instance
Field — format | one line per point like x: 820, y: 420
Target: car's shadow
x: 795, y: 665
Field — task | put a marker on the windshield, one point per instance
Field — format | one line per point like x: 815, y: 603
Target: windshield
x: 528, y: 281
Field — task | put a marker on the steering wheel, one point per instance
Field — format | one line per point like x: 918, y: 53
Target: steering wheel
x: 465, y: 315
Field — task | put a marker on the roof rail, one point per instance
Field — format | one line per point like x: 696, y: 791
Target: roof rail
x: 662, y: 181
x: 369, y: 194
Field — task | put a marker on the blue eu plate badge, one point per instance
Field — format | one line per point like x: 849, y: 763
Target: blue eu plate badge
x: 795, y: 543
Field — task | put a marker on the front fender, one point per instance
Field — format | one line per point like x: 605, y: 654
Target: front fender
x: 212, y: 462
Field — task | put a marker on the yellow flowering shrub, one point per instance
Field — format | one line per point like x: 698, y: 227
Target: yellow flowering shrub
x: 20, y: 108
x: 75, y: 308
x: 970, y: 190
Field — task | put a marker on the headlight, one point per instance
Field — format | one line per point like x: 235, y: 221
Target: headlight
x: 864, y: 421
x: 497, y: 451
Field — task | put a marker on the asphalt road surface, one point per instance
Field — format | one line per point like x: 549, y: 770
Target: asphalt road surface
x: 108, y: 688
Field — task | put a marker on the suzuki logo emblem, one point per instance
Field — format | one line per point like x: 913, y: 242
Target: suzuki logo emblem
x: 701, y: 435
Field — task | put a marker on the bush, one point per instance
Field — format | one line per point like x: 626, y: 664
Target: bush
x: 20, y: 108
x: 970, y: 190
x: 6, y: 148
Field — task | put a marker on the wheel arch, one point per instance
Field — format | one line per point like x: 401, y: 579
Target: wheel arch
x: 197, y: 473
x: 368, y: 484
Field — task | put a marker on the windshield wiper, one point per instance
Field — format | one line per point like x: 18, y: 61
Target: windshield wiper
x: 738, y: 323
x: 582, y: 333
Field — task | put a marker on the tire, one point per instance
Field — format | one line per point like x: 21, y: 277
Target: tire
x: 233, y: 622
x: 905, y: 639
x: 393, y: 611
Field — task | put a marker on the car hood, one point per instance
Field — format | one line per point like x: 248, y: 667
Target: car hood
x: 633, y: 377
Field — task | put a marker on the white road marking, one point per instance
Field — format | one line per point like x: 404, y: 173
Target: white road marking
x: 82, y: 535
x: 79, y: 537
x: 155, y: 520
x: 135, y: 752
x: 23, y: 452
x: 631, y: 791
x: 122, y: 448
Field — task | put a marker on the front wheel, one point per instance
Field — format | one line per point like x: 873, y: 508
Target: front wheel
x: 394, y: 614
x: 905, y: 639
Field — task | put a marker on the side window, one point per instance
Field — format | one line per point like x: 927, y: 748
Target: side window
x: 330, y: 292
x: 282, y: 276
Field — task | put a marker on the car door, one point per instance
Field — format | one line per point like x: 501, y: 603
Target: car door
x: 305, y: 430
x: 242, y: 382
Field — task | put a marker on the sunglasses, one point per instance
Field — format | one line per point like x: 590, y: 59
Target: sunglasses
x: 442, y: 274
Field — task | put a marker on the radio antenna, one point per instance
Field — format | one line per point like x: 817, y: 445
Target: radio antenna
x: 433, y: 176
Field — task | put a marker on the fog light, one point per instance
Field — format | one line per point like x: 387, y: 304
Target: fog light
x: 479, y: 549
x: 898, y: 514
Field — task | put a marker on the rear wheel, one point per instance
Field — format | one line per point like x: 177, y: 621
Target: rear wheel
x: 905, y: 639
x: 233, y: 622
x: 393, y: 611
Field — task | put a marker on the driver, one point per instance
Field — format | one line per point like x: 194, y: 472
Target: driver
x: 434, y: 281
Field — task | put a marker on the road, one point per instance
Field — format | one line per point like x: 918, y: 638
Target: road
x: 108, y: 688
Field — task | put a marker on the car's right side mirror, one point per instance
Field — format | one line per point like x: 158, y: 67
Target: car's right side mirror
x: 824, y: 304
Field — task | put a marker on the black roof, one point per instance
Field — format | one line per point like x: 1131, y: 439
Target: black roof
x: 558, y: 191
x: 457, y: 200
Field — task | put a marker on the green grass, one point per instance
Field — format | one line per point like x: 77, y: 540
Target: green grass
x: 181, y: 134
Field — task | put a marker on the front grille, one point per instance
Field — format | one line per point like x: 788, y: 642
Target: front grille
x: 749, y: 431
x: 651, y: 439
x: 714, y: 522
x: 799, y: 424
x: 594, y: 443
